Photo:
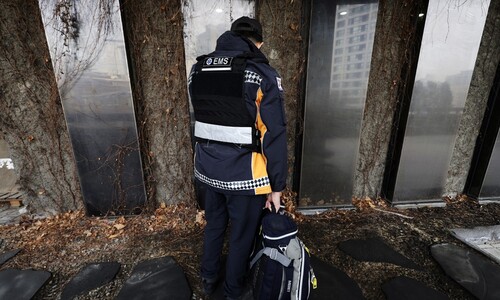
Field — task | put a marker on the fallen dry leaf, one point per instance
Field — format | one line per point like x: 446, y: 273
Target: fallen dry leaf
x: 119, y: 226
x: 200, y: 218
x: 115, y: 235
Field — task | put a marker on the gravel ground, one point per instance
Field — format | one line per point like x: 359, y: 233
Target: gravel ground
x: 64, y: 243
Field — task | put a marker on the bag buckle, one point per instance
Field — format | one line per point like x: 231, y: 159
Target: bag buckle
x: 274, y: 254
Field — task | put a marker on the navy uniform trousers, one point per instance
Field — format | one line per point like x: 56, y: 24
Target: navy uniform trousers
x: 244, y: 213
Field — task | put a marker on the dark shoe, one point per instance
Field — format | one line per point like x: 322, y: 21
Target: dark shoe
x: 209, y: 285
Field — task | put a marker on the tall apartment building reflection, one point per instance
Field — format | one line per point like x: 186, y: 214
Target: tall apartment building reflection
x: 341, y: 42
x: 352, y: 48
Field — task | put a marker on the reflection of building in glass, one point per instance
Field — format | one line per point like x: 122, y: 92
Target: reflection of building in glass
x: 352, y: 48
x: 104, y: 86
x: 341, y: 40
x: 110, y: 60
x: 457, y: 82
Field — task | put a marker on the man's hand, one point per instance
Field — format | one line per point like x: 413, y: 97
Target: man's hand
x: 273, y: 198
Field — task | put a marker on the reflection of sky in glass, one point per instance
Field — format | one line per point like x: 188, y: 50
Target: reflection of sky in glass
x: 8, y: 176
x: 448, y: 53
x: 451, y: 25
x: 77, y: 43
x: 206, y: 20
x: 6, y: 163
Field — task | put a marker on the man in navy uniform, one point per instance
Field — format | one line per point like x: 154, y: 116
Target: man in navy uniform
x: 241, y: 151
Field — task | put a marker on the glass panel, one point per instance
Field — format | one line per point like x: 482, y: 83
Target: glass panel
x: 89, y: 59
x: 206, y: 20
x: 340, y: 47
x: 449, y: 48
x: 491, y: 183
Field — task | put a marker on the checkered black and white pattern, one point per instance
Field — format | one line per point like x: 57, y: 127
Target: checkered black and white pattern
x: 233, y: 185
x: 190, y: 77
x: 252, y: 77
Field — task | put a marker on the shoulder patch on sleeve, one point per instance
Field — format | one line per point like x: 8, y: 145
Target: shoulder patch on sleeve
x: 278, y: 82
x: 252, y: 77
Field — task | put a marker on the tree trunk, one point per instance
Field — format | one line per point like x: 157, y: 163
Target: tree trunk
x: 284, y: 47
x: 154, y: 38
x: 31, y: 116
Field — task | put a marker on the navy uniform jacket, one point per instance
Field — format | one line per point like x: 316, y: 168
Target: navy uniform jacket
x: 229, y: 168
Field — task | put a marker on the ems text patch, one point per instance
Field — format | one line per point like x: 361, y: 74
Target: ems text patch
x: 217, y: 63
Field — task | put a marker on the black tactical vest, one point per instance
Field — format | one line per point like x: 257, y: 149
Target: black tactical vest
x: 217, y: 95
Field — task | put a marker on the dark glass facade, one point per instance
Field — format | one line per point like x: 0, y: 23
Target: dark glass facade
x: 448, y: 52
x: 91, y: 70
x: 340, y: 46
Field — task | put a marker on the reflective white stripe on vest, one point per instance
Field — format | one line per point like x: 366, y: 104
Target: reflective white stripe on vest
x: 217, y: 69
x: 275, y: 238
x: 220, y: 133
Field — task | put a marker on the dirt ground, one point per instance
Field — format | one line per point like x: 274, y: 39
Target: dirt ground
x: 64, y: 243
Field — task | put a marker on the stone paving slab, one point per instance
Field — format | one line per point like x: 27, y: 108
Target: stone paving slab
x: 8, y: 255
x: 406, y: 288
x: 21, y: 284
x: 10, y: 215
x: 475, y: 272
x: 90, y: 277
x: 160, y: 278
x: 485, y: 239
x: 375, y: 250
x: 333, y: 283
